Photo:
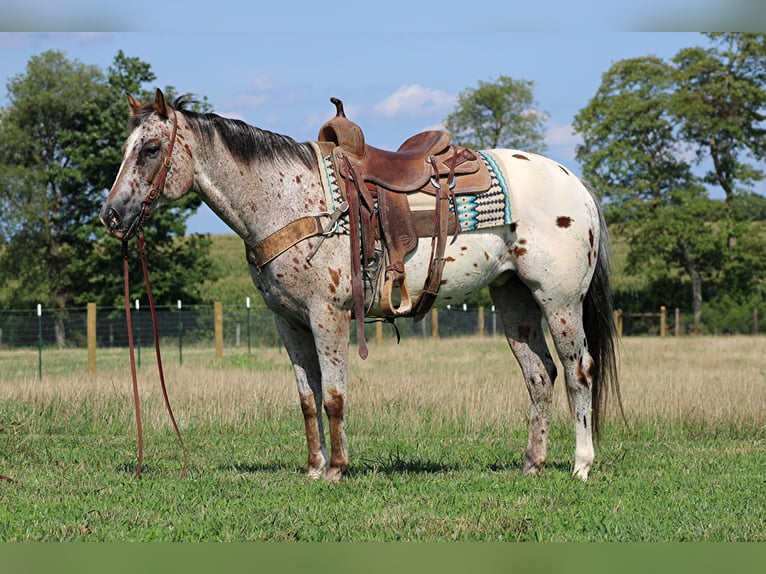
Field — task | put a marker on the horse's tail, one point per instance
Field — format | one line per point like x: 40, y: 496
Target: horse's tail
x: 600, y: 332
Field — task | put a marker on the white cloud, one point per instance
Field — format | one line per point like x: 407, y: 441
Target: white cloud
x: 562, y: 135
x: 415, y: 100
x: 263, y: 83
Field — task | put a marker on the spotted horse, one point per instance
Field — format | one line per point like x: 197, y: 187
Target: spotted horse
x: 546, y: 261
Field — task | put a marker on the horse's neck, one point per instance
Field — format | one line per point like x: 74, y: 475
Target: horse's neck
x: 256, y: 199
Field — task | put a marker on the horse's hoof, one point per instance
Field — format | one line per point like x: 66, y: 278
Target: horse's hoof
x: 334, y: 475
x: 581, y: 473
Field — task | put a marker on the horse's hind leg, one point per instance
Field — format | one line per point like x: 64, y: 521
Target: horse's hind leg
x: 522, y: 322
x: 299, y: 342
x: 568, y: 333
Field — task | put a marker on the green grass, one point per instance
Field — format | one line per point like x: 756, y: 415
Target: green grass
x: 660, y: 482
x: 428, y: 463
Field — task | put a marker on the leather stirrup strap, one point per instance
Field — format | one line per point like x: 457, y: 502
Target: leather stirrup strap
x: 357, y: 285
x: 438, y: 246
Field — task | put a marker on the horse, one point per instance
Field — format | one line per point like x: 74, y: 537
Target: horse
x: 549, y: 265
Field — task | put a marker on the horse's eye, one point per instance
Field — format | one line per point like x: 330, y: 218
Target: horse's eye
x: 152, y: 151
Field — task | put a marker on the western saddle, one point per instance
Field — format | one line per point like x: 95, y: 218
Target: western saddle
x: 375, y: 183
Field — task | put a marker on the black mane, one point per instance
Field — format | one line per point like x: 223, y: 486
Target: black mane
x: 245, y: 142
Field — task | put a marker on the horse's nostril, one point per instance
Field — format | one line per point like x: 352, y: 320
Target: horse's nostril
x: 112, y: 219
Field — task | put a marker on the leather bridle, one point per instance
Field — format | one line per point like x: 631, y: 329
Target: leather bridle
x: 157, y: 187
x: 158, y: 184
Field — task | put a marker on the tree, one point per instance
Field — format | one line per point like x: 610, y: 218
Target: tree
x: 59, y: 151
x: 498, y: 114
x: 645, y: 129
x: 630, y: 153
x: 720, y: 103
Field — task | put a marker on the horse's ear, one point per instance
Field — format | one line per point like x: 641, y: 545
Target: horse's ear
x: 134, y: 104
x: 160, y: 105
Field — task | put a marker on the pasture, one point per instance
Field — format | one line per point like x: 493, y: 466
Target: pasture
x: 436, y: 435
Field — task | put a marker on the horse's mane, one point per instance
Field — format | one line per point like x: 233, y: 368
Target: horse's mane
x: 245, y: 142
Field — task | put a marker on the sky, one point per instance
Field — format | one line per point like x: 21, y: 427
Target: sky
x: 398, y: 66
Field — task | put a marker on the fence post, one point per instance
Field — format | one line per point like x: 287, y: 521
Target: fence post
x: 755, y: 321
x: 481, y: 322
x: 677, y: 327
x: 434, y: 323
x: 39, y: 341
x: 138, y: 332
x: 378, y: 333
x: 218, y: 319
x: 663, y: 321
x: 91, y: 336
x: 618, y: 322
x: 180, y: 335
x: 247, y: 304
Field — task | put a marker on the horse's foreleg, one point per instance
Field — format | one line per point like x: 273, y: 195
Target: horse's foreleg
x: 332, y: 344
x: 299, y: 342
x: 522, y: 320
x: 566, y: 327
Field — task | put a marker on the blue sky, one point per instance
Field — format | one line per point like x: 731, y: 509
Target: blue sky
x: 277, y: 65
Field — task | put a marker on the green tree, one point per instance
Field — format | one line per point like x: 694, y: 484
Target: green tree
x: 720, y: 102
x: 631, y: 153
x: 59, y: 152
x: 496, y: 114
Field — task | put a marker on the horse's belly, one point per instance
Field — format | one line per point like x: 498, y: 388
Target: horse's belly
x: 475, y: 259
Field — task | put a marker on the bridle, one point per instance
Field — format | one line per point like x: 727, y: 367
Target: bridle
x: 158, y: 184
x: 157, y: 187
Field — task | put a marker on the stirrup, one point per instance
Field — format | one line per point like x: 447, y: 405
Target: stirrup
x: 395, y: 279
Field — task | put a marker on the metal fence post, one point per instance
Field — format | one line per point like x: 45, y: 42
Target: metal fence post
x: 247, y: 304
x: 180, y: 336
x: 39, y: 341
x: 138, y: 332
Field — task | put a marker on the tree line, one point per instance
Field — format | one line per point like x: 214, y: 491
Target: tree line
x: 660, y: 140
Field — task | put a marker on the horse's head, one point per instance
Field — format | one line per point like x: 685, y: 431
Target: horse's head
x: 154, y: 169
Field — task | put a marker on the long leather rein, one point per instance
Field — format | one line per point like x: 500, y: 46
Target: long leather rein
x: 158, y: 184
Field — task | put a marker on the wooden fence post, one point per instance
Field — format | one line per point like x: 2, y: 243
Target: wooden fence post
x: 378, y: 333
x: 481, y: 322
x: 663, y: 321
x: 218, y: 320
x: 91, y: 336
x: 618, y: 322
x: 755, y: 321
x: 677, y: 326
x: 435, y: 323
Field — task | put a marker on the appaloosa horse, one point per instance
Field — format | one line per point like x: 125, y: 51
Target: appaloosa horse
x: 549, y: 262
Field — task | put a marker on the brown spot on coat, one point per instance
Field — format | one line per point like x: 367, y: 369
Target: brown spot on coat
x: 335, y: 275
x: 519, y: 251
x: 564, y: 221
x: 520, y: 156
x: 590, y: 237
x: 582, y: 376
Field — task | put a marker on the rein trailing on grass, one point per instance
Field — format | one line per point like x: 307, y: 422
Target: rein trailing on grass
x: 136, y: 402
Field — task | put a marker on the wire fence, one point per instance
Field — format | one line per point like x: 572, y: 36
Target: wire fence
x: 194, y: 325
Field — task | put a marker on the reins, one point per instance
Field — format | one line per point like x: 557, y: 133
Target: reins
x: 156, y: 189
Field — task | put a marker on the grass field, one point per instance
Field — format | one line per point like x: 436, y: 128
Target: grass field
x: 436, y: 439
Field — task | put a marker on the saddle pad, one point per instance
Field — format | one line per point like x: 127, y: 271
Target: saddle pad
x: 491, y: 208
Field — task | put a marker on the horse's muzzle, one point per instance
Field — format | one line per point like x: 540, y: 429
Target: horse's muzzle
x: 116, y: 225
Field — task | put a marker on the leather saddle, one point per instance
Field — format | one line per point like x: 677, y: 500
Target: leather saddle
x: 376, y: 184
